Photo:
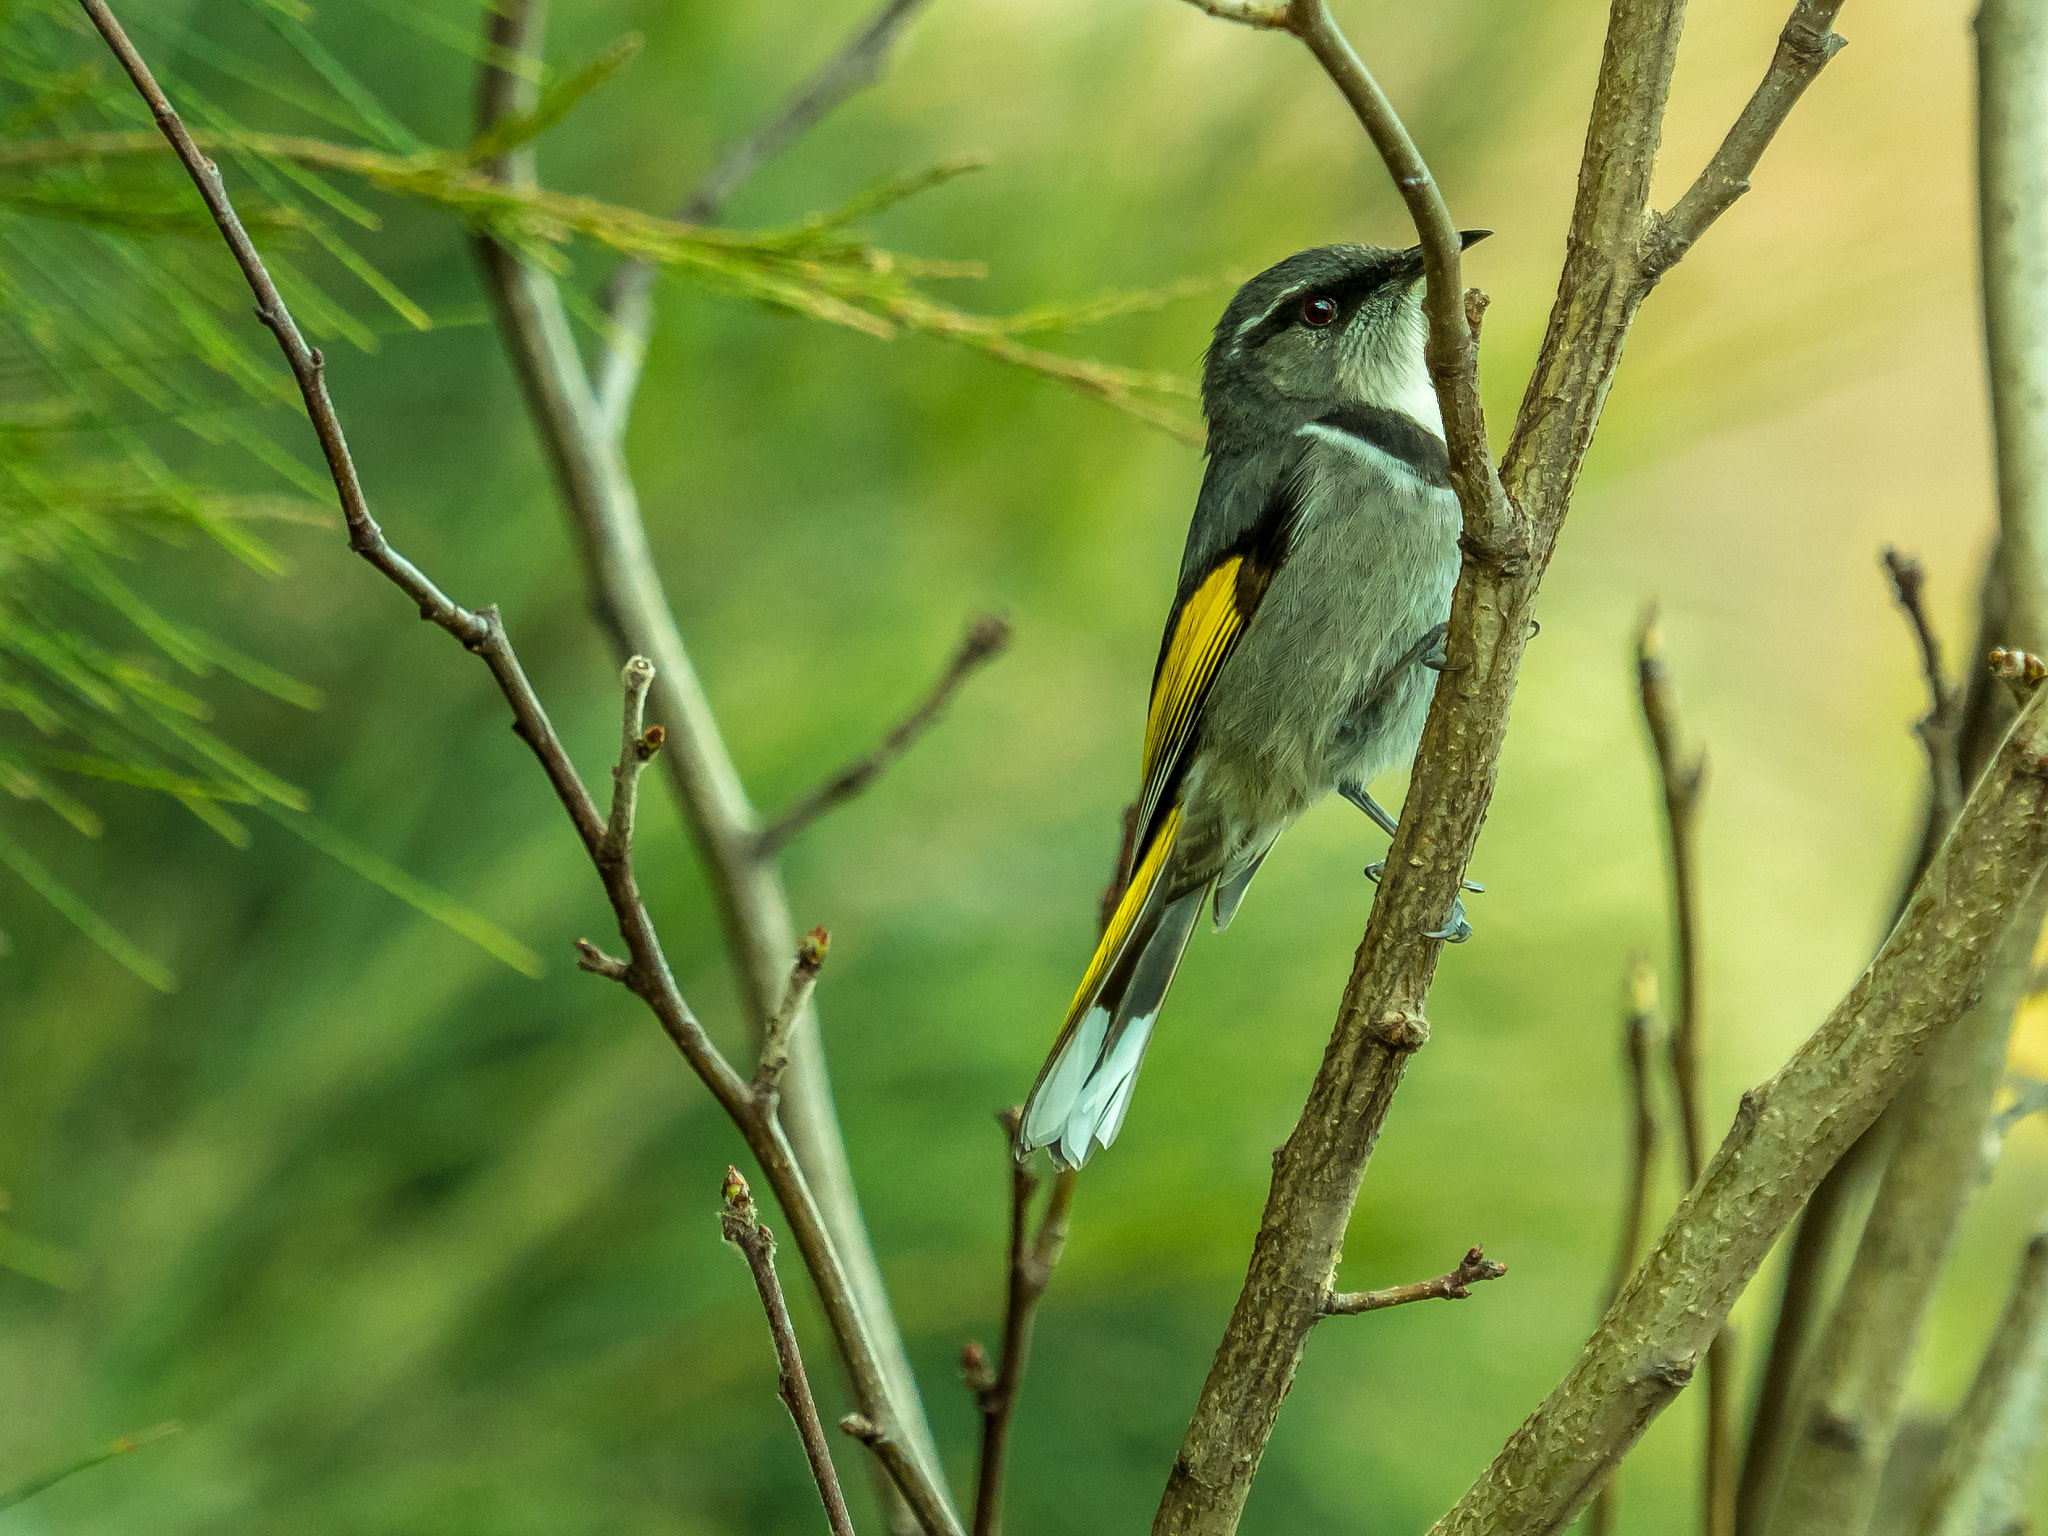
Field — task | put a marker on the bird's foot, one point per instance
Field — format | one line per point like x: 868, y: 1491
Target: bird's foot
x: 1375, y: 870
x: 1432, y: 647
x: 1455, y: 931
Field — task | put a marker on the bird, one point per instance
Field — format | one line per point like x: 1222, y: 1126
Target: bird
x: 1300, y: 653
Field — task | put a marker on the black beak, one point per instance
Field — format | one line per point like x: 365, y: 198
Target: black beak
x: 1411, y: 259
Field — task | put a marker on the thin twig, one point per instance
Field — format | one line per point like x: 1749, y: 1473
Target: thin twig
x: 1939, y: 729
x: 646, y: 971
x: 1682, y: 778
x: 627, y: 300
x: 625, y: 589
x: 1804, y: 48
x: 1455, y: 1286
x: 1246, y: 12
x: 637, y: 747
x: 757, y: 1244
x: 903, y: 1468
x: 987, y: 638
x: 1639, y: 1028
x: 1033, y: 1256
x: 803, y: 977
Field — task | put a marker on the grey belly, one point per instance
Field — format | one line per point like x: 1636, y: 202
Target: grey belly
x: 1326, y: 685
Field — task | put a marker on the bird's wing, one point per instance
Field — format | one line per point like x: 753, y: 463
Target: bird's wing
x: 1216, y: 602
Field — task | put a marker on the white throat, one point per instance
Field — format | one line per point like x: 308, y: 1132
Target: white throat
x: 1398, y: 377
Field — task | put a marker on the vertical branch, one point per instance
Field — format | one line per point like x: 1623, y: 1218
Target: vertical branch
x: 602, y: 504
x: 2012, y: 209
x: 1032, y: 1258
x: 1682, y: 778
x: 1639, y: 1028
x: 628, y: 299
x: 1508, y: 539
x: 757, y: 1244
x: 1996, y: 1439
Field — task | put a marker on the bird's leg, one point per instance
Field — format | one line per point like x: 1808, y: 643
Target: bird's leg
x: 1431, y: 647
x: 1456, y: 928
x: 1357, y: 795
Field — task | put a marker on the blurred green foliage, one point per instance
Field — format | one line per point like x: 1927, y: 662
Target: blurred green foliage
x: 407, y: 1241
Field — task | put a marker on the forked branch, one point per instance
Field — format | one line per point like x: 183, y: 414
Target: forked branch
x: 646, y: 969
x: 598, y: 493
x: 1317, y: 1172
x: 1455, y: 1286
x: 987, y: 638
x: 627, y: 301
x: 757, y: 1245
x: 1787, y: 1133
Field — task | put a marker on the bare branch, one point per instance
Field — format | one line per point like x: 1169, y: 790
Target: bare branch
x: 1639, y: 1027
x: 1268, y: 17
x: 1822, y: 1226
x: 1995, y: 1441
x: 1786, y: 1135
x: 1683, y: 778
x: 482, y: 632
x: 1494, y: 528
x: 803, y: 976
x: 626, y: 591
x: 594, y: 960
x: 1318, y: 1171
x: 637, y: 747
x: 1854, y: 1387
x: 1804, y: 48
x: 628, y: 299
x: 757, y: 1244
x: 1455, y: 1286
x: 1032, y: 1259
x: 2012, y: 213
x: 987, y: 638
x: 1939, y: 730
x: 903, y: 1469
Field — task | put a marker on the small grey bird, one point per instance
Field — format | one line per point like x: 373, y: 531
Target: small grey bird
x: 1298, y: 656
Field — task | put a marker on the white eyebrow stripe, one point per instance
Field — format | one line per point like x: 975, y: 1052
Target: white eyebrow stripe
x: 1247, y: 326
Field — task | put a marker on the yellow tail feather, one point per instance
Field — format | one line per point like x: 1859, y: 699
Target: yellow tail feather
x: 1143, y: 878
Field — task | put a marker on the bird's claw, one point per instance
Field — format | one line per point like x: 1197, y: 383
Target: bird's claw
x: 1374, y: 871
x: 1457, y: 930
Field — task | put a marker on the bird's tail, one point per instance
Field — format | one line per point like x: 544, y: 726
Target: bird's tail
x: 1083, y: 1089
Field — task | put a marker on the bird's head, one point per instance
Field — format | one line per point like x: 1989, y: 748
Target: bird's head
x: 1336, y: 325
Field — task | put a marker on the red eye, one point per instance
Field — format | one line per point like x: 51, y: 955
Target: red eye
x: 1318, y: 310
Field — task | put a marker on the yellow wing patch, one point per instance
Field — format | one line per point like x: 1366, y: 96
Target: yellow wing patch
x: 1207, y: 626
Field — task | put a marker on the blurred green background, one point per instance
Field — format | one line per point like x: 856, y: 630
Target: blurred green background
x: 409, y: 1242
